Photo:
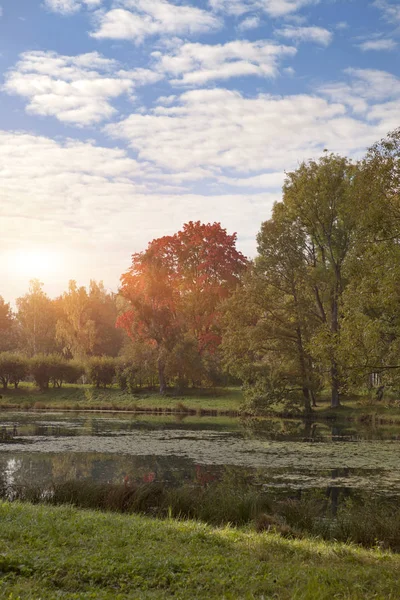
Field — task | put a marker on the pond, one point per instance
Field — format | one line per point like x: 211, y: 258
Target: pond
x: 40, y: 448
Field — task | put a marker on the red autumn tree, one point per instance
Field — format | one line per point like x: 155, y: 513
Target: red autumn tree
x: 175, y: 286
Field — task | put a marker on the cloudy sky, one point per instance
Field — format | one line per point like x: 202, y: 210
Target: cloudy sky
x: 120, y: 120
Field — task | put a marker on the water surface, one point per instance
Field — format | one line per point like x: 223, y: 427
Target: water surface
x: 38, y: 448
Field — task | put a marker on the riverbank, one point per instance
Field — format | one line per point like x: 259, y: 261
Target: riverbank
x: 228, y: 402
x: 50, y: 552
x: 209, y: 402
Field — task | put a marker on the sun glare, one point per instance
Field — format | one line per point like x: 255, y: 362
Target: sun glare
x: 33, y: 263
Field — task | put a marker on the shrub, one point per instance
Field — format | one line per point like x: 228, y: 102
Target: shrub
x: 47, y: 368
x: 42, y: 367
x: 101, y: 370
x: 13, y: 368
x: 126, y: 376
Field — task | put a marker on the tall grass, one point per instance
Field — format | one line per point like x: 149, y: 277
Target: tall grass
x: 366, y: 521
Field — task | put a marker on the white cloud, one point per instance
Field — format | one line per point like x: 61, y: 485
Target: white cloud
x: 138, y: 19
x: 263, y: 181
x: 249, y: 23
x: 196, y: 64
x: 273, y: 8
x: 364, y: 87
x: 387, y: 44
x: 220, y: 129
x: 69, y: 7
x: 74, y: 89
x: 391, y: 11
x: 319, y: 35
x: 92, y: 205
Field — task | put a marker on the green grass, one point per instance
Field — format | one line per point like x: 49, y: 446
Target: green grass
x: 63, y: 552
x: 215, y: 401
x: 85, y: 397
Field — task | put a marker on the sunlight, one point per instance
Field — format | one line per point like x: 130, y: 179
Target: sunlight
x: 34, y: 263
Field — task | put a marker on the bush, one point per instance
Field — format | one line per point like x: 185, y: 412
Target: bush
x: 126, y: 376
x: 101, y: 371
x: 47, y: 368
x: 13, y: 368
x: 72, y: 371
x: 43, y: 367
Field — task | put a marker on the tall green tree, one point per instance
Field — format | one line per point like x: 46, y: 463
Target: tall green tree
x: 86, y: 326
x: 36, y: 317
x: 321, y: 197
x: 371, y: 326
x: 269, y: 320
x: 8, y: 333
x: 284, y: 324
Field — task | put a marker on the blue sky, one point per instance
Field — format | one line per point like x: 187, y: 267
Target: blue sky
x: 122, y: 119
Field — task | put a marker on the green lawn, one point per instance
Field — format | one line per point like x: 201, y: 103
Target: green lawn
x: 217, y: 401
x: 81, y: 397
x: 62, y: 552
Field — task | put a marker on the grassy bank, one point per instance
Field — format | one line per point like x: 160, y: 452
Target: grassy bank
x: 206, y: 402
x: 64, y: 552
x: 222, y: 401
x: 360, y: 519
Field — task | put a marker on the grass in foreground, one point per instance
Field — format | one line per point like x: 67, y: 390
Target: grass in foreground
x: 62, y: 552
x: 364, y: 520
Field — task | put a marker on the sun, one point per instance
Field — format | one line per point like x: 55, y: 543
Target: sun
x: 33, y: 263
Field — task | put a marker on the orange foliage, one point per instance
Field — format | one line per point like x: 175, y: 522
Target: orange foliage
x: 177, y: 283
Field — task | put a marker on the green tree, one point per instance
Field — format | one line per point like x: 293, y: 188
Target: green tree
x: 370, y: 340
x: 13, y: 368
x: 321, y: 197
x: 86, y: 326
x: 268, y: 321
x: 36, y: 316
x: 8, y: 334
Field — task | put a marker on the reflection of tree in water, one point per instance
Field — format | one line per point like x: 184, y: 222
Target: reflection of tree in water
x: 335, y: 494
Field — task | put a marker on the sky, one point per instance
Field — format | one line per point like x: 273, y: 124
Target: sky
x: 120, y: 120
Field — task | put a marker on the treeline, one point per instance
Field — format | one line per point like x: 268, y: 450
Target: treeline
x: 52, y: 370
x: 320, y: 305
x: 318, y: 308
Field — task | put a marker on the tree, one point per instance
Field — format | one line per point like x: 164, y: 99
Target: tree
x: 36, y: 316
x: 321, y: 198
x: 175, y: 287
x: 268, y: 321
x: 370, y: 340
x: 13, y: 368
x: 283, y: 326
x: 86, y: 326
x: 101, y: 370
x: 7, y: 327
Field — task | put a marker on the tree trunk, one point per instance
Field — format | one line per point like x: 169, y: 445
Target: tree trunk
x: 335, y: 398
x: 313, y: 398
x: 161, y: 375
x: 307, y: 403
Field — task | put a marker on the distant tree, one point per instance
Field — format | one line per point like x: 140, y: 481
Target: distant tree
x: 44, y: 368
x: 282, y: 328
x: 8, y: 336
x: 101, y: 370
x: 321, y: 198
x: 13, y: 368
x: 269, y: 320
x: 175, y: 288
x: 370, y: 338
x: 36, y: 316
x: 86, y: 326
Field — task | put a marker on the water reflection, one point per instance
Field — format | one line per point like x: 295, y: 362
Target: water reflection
x: 269, y: 454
